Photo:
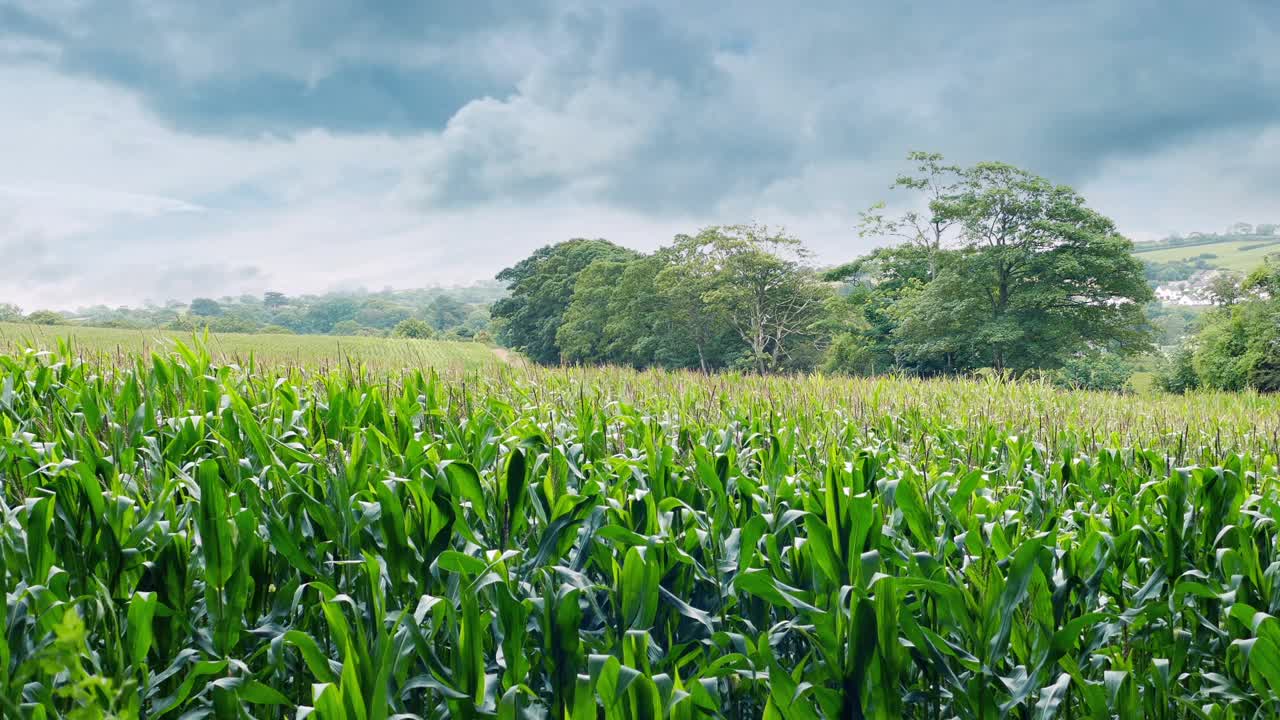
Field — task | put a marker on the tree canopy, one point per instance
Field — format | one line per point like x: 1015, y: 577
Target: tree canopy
x: 541, y: 287
x: 996, y: 268
x: 1006, y: 270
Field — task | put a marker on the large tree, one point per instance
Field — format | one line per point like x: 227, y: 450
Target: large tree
x: 761, y: 283
x: 445, y: 311
x: 1031, y: 276
x: 541, y: 288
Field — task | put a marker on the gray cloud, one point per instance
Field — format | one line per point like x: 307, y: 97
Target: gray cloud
x: 299, y: 127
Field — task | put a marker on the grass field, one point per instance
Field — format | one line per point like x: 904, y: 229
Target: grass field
x: 186, y: 539
x: 319, y: 352
x: 1242, y: 255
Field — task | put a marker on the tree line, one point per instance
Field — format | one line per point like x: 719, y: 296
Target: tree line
x: 453, y: 313
x: 1001, y: 269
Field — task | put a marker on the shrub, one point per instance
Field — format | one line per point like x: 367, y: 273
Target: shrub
x: 414, y: 328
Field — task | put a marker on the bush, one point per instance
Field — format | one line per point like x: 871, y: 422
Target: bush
x: 346, y: 327
x: 414, y: 328
x: 1177, y: 372
x: 849, y: 354
x: 45, y: 317
x: 1093, y: 370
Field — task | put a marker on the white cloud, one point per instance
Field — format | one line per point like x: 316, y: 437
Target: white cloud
x: 104, y: 203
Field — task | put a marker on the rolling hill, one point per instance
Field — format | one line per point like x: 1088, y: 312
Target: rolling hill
x: 1224, y: 252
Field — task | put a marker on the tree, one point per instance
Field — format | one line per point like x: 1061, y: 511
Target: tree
x: 767, y: 292
x: 10, y: 313
x: 414, y: 328
x: 445, y: 312
x: 926, y: 231
x: 205, y: 307
x: 1226, y: 287
x: 875, y: 285
x: 541, y: 288
x: 659, y: 316
x: 346, y: 327
x: 582, y: 335
x: 45, y: 317
x: 381, y: 313
x: 324, y: 315
x: 1238, y: 346
x: 649, y: 311
x: 274, y: 300
x: 1033, y: 276
x: 1176, y: 372
x: 1265, y: 279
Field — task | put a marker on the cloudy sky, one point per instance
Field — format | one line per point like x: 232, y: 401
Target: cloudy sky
x: 166, y: 148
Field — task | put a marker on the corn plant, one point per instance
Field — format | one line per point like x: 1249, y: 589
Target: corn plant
x: 185, y: 538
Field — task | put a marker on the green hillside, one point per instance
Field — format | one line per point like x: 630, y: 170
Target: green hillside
x: 1224, y: 252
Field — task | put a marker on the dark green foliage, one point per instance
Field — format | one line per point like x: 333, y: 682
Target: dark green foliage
x: 1159, y: 272
x: 205, y: 307
x: 446, y: 312
x: 413, y: 328
x: 728, y: 296
x: 1034, y: 276
x: 541, y: 288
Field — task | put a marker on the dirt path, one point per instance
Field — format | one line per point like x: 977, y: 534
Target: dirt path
x: 508, y: 357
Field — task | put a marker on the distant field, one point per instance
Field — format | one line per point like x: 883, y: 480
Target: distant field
x: 1242, y: 255
x: 311, y: 351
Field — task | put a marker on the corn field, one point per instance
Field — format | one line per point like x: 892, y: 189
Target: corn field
x: 313, y: 352
x: 184, y: 539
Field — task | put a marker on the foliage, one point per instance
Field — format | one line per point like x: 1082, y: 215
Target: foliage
x: 1173, y: 324
x: 1157, y: 271
x: 1004, y: 270
x: 1226, y: 287
x: 541, y: 287
x: 1035, y: 275
x: 414, y: 328
x: 10, y: 313
x: 582, y: 336
x: 771, y: 299
x: 1238, y: 343
x: 205, y: 540
x: 1239, y: 347
x: 726, y: 296
x: 446, y: 312
x: 205, y: 307
x: 877, y: 283
x: 1177, y: 372
x: 45, y: 317
x: 1093, y: 370
x: 463, y: 310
